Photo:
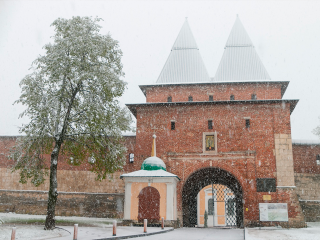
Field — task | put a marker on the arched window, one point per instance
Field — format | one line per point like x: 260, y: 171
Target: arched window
x: 253, y: 96
x: 169, y: 99
x: 232, y: 97
x: 190, y: 99
x: 210, y: 98
x: 210, y: 206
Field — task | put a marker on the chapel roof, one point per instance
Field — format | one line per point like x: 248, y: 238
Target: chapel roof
x: 152, y: 166
x: 240, y: 60
x: 154, y: 173
x: 184, y: 63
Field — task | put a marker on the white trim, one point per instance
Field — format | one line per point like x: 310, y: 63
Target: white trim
x: 127, y: 201
x: 170, y: 202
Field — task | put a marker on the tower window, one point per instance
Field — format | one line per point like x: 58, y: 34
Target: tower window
x: 254, y: 96
x: 190, y: 99
x: 210, y: 98
x: 173, y: 125
x: 209, y: 124
x: 169, y: 99
x: 232, y: 97
x: 247, y: 123
x: 318, y: 159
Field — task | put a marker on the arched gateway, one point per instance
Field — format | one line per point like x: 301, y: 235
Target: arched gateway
x: 199, y: 180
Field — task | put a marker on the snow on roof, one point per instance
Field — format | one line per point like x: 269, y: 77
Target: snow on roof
x: 305, y: 142
x: 146, y: 173
x: 184, y: 63
x: 153, y: 163
x: 129, y: 134
x: 240, y: 60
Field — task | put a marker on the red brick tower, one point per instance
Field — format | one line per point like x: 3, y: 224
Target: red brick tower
x: 232, y: 130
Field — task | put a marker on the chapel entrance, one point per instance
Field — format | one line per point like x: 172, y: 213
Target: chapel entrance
x: 149, y: 204
x: 224, y: 206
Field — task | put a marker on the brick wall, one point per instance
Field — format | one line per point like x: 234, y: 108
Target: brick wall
x: 220, y: 92
x: 305, y: 158
x: 307, y: 179
x: 68, y: 204
x: 79, y: 193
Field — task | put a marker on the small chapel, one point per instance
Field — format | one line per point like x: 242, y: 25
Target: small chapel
x: 208, y: 151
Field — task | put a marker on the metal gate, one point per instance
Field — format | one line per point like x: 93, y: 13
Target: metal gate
x: 221, y: 206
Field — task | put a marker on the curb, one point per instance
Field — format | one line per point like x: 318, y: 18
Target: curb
x: 136, y: 235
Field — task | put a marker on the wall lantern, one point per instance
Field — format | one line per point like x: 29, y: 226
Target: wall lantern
x: 131, y: 157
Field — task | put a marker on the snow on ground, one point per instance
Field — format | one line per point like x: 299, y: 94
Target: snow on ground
x: 312, y: 232
x: 103, y: 230
x: 198, y: 234
x: 9, y: 217
x: 30, y: 232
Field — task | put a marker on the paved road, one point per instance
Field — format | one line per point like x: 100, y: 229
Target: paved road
x: 198, y: 234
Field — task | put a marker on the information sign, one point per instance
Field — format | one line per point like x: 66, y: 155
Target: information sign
x: 273, y: 212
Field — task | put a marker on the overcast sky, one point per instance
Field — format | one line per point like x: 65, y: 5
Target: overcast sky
x: 286, y: 36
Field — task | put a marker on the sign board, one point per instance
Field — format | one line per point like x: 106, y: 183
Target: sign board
x: 273, y: 212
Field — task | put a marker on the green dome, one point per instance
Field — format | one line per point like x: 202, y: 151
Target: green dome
x: 153, y: 163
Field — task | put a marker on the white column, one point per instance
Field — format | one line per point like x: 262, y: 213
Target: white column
x: 127, y: 201
x: 170, y: 201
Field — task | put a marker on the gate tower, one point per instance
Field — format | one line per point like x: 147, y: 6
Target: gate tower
x: 231, y: 130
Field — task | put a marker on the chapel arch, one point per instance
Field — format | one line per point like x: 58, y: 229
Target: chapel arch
x: 202, y: 178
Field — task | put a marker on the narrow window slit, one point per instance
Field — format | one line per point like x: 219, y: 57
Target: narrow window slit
x: 173, y: 125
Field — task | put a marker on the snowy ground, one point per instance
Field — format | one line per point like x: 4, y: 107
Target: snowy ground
x: 24, y: 218
x: 102, y: 229
x: 312, y: 232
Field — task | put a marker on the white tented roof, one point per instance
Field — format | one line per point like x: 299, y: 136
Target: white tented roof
x: 146, y: 173
x: 240, y: 60
x: 184, y: 63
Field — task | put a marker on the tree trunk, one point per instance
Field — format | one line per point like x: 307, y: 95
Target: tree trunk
x: 53, y: 192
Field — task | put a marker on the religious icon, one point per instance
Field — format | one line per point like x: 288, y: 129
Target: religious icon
x: 210, y: 143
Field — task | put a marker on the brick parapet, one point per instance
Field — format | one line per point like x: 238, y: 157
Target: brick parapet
x: 220, y: 92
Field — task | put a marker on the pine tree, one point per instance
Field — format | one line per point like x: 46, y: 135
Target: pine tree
x: 71, y: 101
x: 205, y: 219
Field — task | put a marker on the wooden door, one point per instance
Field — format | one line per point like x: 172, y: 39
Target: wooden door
x: 149, y: 204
